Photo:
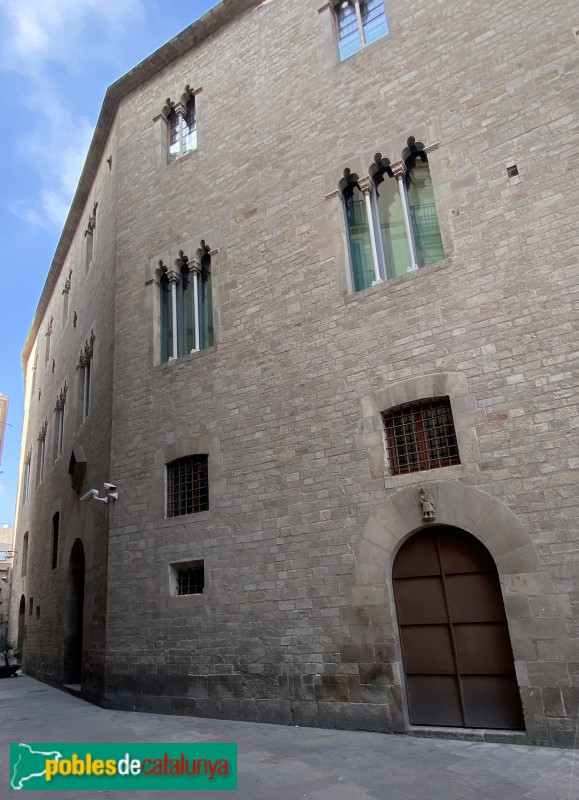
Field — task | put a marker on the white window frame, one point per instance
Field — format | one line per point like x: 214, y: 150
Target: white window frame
x: 358, y: 6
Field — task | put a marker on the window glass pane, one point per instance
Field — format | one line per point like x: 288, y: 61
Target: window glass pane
x: 187, y: 338
x: 374, y: 20
x: 166, y: 320
x: 348, y: 33
x: 174, y: 143
x: 190, y: 128
x: 206, y: 303
x: 392, y: 229
x: 423, y: 215
x: 358, y: 238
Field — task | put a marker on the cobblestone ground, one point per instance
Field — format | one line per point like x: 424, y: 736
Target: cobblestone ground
x: 281, y: 763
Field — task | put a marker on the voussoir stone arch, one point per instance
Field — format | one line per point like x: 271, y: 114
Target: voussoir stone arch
x: 460, y: 506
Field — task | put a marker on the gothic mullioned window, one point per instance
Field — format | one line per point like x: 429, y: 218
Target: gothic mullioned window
x: 186, y: 306
x: 181, y: 125
x: 359, y: 23
x: 391, y: 219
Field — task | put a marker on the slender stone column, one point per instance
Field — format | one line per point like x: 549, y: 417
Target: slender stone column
x: 400, y: 174
x: 173, y: 277
x: 367, y: 187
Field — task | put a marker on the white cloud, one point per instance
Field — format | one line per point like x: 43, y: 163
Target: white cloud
x: 38, y: 38
x: 39, y: 31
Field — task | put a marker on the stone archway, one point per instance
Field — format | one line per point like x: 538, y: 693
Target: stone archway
x: 74, y: 616
x: 471, y: 510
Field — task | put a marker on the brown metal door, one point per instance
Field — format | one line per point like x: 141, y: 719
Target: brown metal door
x: 456, y: 648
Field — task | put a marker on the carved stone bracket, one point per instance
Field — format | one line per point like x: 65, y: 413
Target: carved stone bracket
x: 42, y: 434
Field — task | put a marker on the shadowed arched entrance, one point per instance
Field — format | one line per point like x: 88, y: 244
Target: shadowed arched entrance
x: 74, y: 613
x: 21, y: 624
x: 456, y: 649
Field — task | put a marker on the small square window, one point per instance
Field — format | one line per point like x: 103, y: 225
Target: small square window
x: 420, y: 436
x: 188, y: 578
x: 187, y: 486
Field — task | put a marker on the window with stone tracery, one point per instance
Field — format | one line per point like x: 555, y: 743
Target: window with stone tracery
x: 186, y: 305
x: 181, y: 125
x: 391, y: 218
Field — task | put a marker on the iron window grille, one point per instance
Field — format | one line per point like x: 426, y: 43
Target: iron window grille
x: 420, y: 436
x: 187, y: 486
x: 191, y: 580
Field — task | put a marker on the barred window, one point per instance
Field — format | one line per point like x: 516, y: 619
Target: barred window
x: 187, y: 486
x: 190, y: 579
x: 420, y: 436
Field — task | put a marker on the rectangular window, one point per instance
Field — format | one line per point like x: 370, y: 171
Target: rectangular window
x: 86, y: 383
x: 420, y: 436
x: 187, y: 486
x: 40, y: 462
x: 58, y: 430
x: 89, y: 249
x: 374, y: 23
x: 188, y: 578
x: 359, y: 22
x: 26, y: 479
x: 30, y: 606
x: 54, y: 548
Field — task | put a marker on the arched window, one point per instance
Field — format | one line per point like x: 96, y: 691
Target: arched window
x: 358, y: 236
x: 423, y: 216
x: 182, y: 129
x: 408, y: 222
x: 389, y: 203
x: 166, y: 319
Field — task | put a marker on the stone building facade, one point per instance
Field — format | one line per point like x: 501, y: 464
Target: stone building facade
x: 227, y: 332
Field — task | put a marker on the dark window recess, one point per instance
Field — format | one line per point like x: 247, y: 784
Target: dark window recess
x: 191, y: 580
x: 30, y: 606
x: 37, y: 612
x: 55, y: 525
x: 187, y: 486
x: 420, y: 436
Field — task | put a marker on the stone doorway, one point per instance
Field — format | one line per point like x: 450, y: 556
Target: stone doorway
x: 456, y: 648
x: 74, y: 617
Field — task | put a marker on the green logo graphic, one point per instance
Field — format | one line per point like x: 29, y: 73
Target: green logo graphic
x: 117, y: 766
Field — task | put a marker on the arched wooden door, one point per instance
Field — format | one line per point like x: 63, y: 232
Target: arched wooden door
x: 456, y: 647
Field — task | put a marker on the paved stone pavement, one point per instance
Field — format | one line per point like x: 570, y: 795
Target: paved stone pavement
x: 283, y: 763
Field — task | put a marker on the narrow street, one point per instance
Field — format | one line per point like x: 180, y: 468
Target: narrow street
x: 283, y: 763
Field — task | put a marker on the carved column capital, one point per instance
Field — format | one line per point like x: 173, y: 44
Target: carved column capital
x: 366, y: 186
x: 180, y: 109
x: 399, y: 170
x: 173, y: 275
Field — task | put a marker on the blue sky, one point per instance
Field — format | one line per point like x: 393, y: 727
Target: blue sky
x: 57, y: 58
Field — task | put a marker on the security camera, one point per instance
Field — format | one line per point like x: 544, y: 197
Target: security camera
x: 111, y: 487
x: 92, y: 494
